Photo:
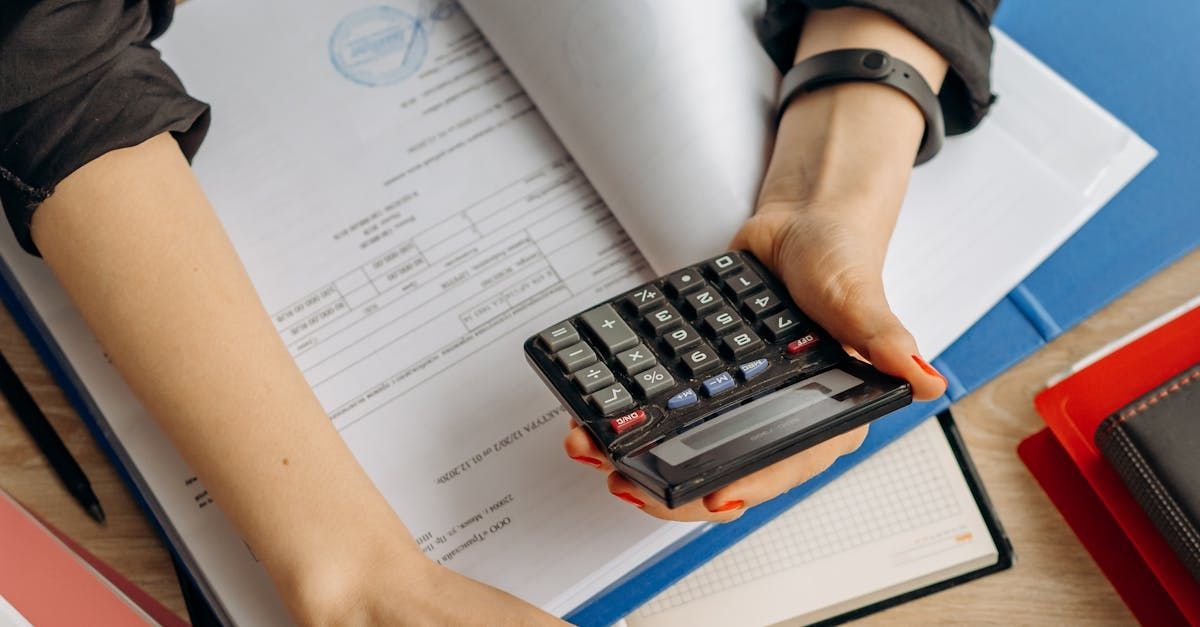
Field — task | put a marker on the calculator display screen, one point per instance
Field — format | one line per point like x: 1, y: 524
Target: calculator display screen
x: 761, y: 422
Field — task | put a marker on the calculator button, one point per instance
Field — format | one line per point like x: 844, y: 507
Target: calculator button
x: 702, y: 302
x: 635, y: 360
x: 722, y: 321
x: 680, y: 339
x: 742, y: 284
x: 682, y: 399
x: 621, y: 424
x: 795, y: 347
x: 683, y: 282
x: 761, y: 304
x: 740, y: 344
x: 779, y: 326
x: 720, y: 383
x: 754, y: 368
x: 611, y: 399
x: 607, y: 326
x: 700, y: 360
x: 653, y: 381
x: 559, y: 336
x: 663, y: 318
x: 576, y: 356
x: 725, y: 264
x: 645, y: 297
x: 593, y: 378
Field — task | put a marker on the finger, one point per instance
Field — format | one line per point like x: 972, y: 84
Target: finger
x: 695, y: 511
x: 853, y: 308
x: 879, y: 336
x: 784, y: 475
x: 581, y: 448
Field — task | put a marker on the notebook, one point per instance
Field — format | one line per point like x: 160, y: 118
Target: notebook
x: 46, y: 581
x: 407, y: 235
x: 911, y: 519
x: 1075, y: 404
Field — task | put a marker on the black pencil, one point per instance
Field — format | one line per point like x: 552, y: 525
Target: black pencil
x: 47, y: 440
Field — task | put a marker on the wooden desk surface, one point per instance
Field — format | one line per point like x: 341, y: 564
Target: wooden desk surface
x: 1054, y: 581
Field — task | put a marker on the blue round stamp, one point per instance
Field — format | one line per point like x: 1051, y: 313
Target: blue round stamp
x: 379, y: 45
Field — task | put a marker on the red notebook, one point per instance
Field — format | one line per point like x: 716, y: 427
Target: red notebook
x: 49, y: 580
x: 1072, y: 408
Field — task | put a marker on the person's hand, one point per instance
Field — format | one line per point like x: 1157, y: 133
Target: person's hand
x: 405, y: 588
x: 826, y: 211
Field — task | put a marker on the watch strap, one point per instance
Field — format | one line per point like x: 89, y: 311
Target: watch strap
x: 872, y: 66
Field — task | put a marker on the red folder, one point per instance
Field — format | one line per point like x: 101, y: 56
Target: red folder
x: 1072, y: 409
x: 50, y: 580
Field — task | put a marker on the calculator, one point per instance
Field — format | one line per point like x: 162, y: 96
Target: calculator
x: 706, y: 375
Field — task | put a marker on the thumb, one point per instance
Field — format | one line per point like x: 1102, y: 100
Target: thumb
x: 855, y: 311
x: 835, y: 283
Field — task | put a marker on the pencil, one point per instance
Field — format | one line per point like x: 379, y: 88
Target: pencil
x: 47, y: 440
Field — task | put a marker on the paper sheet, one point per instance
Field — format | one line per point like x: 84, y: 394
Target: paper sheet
x: 407, y: 226
x: 668, y: 107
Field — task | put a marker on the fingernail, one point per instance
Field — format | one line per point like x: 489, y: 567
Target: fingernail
x: 629, y: 498
x: 930, y: 370
x: 590, y: 461
x: 731, y: 505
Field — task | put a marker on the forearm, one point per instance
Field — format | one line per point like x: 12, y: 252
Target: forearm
x: 853, y: 141
x: 135, y: 244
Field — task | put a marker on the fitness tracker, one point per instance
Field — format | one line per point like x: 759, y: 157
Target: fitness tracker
x: 871, y: 66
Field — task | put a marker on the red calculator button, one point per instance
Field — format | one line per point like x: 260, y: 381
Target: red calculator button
x: 621, y: 424
x: 795, y: 347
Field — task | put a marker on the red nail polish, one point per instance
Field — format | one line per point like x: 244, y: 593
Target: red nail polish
x: 731, y: 505
x: 629, y: 498
x: 927, y: 368
x: 590, y: 461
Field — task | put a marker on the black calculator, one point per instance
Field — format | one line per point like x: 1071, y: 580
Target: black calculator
x: 707, y: 375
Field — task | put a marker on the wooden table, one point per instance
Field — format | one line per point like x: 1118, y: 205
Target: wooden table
x: 1054, y: 580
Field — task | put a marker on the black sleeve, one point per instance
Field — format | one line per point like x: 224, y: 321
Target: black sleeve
x: 958, y: 29
x: 77, y: 80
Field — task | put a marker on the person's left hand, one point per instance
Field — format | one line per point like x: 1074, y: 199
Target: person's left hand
x: 831, y: 260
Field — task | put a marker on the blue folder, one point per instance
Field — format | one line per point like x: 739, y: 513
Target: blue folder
x: 1141, y: 66
x: 1135, y: 63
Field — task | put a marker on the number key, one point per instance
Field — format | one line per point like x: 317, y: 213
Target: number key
x: 702, y: 302
x: 740, y: 344
x: 722, y: 321
x: 700, y: 360
x: 742, y: 284
x: 781, y: 325
x: 725, y: 264
x: 663, y: 318
x: 681, y: 339
x: 759, y: 306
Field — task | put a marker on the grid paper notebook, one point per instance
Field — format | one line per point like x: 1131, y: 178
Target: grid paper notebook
x: 906, y: 511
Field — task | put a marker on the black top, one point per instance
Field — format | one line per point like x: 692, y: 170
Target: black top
x: 79, y: 79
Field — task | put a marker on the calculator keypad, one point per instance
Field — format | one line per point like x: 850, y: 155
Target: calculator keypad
x: 665, y: 354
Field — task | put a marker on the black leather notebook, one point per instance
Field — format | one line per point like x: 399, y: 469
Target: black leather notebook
x: 1154, y: 445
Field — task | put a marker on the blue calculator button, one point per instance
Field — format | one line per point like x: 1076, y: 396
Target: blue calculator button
x: 719, y: 383
x: 682, y: 399
x: 752, y: 369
